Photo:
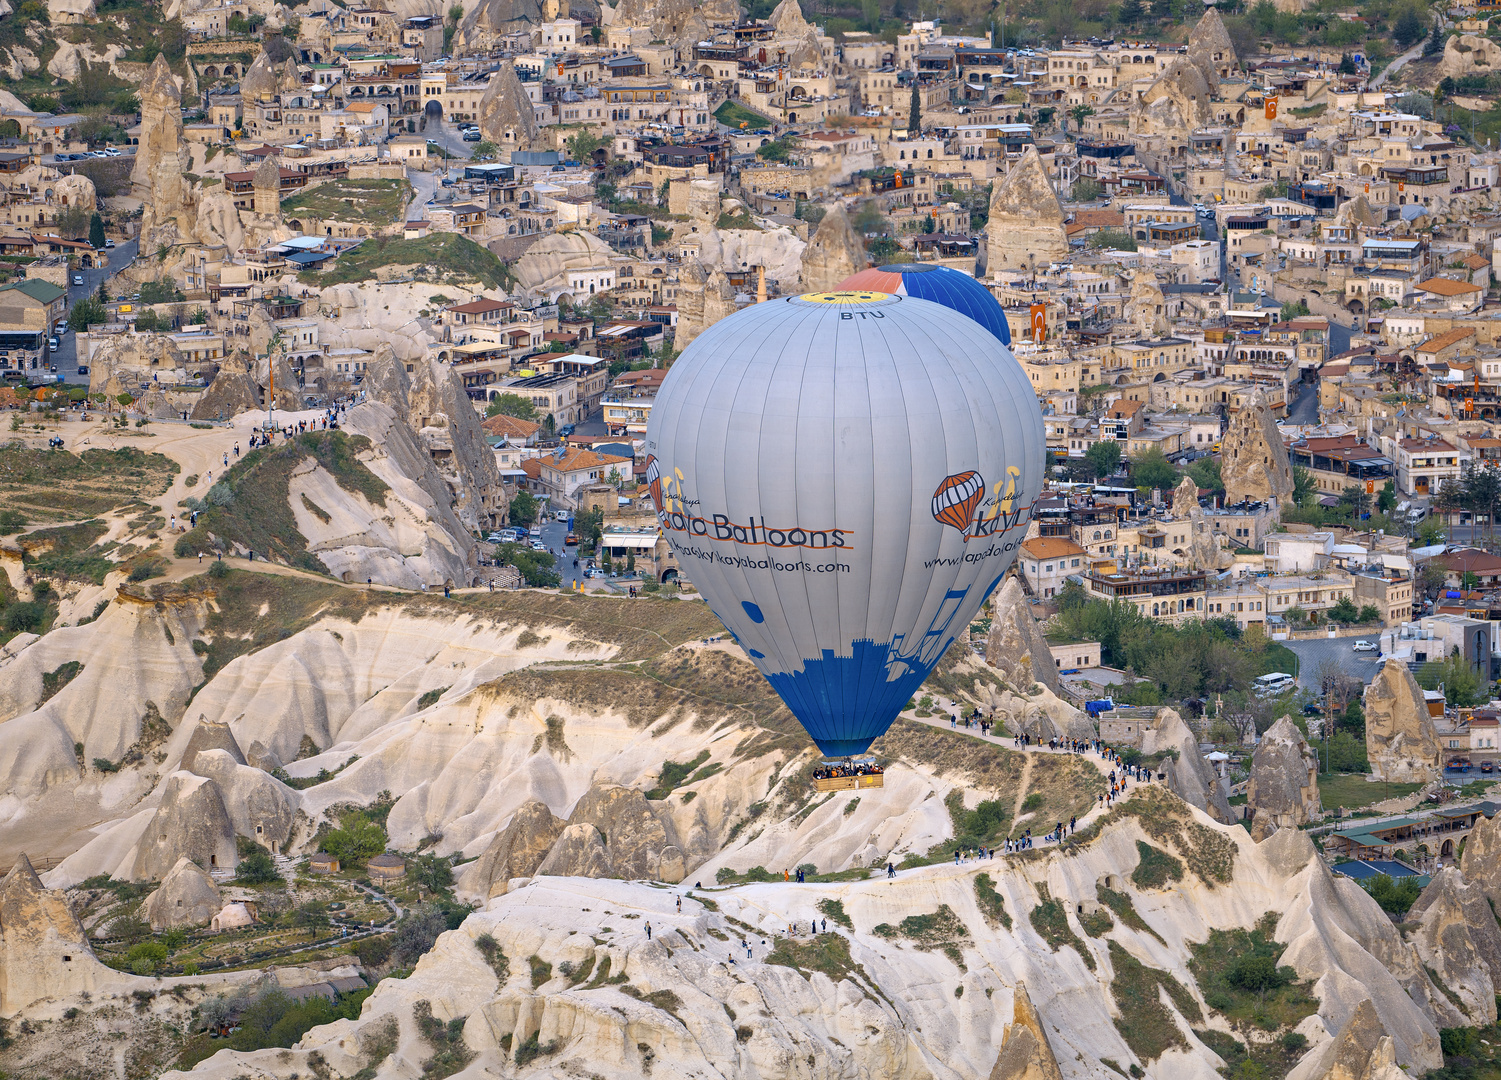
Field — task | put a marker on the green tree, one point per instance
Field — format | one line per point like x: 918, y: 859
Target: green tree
x: 1386, y: 498
x: 582, y: 144
x: 1370, y: 613
x: 73, y: 222
x: 87, y: 312
x: 512, y: 405
x: 914, y: 110
x: 1304, y: 487
x: 1435, y: 43
x: 1151, y: 469
x: 1293, y: 308
x: 96, y: 232
x: 589, y: 526
x: 103, y: 294
x: 356, y: 840
x: 1347, y: 65
x: 524, y: 507
x: 1462, y: 685
x: 1131, y: 12
x: 1113, y: 239
x: 1086, y: 189
x: 1430, y: 532
x: 1206, y: 473
x: 776, y: 149
x: 482, y: 150
x: 256, y: 868
x: 1080, y: 113
x: 1104, y: 457
x: 1396, y: 896
x: 1408, y: 28
x: 1344, y: 611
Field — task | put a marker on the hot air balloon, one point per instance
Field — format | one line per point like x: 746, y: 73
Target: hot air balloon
x: 846, y: 477
x: 940, y: 284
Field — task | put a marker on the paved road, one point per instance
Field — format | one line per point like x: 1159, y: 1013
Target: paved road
x: 66, y: 356
x: 428, y: 185
x: 1399, y: 63
x: 1305, y: 407
x: 1315, y: 651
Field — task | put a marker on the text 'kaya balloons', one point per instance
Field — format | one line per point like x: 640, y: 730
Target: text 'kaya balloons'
x: 944, y: 285
x: 846, y: 476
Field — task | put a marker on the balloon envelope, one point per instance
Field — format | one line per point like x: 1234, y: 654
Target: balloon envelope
x: 845, y: 477
x: 941, y: 284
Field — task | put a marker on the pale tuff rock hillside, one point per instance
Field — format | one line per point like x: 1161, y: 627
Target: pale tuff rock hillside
x: 934, y: 974
x: 469, y: 711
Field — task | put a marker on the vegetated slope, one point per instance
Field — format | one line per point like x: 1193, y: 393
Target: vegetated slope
x: 439, y: 257
x: 57, y: 485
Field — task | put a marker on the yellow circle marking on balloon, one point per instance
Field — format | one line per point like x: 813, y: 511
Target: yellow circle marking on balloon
x: 849, y: 296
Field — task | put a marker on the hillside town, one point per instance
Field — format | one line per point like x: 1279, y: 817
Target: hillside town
x: 361, y: 712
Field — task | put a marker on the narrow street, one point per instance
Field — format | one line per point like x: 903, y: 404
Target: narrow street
x: 65, y: 357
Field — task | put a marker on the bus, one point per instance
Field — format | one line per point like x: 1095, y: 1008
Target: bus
x: 1272, y: 683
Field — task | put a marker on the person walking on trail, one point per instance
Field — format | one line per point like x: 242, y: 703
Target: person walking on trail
x: 890, y: 870
x: 680, y: 905
x: 648, y: 931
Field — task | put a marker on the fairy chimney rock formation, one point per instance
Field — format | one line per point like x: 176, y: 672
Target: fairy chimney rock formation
x: 162, y: 158
x: 1025, y: 1051
x: 1459, y: 941
x: 1025, y: 230
x: 516, y: 851
x: 1185, y: 497
x: 210, y: 735
x: 1283, y: 790
x: 190, y: 821
x: 1016, y: 645
x: 187, y: 897
x: 1189, y: 776
x: 1253, y: 461
x: 267, y: 188
x: 834, y: 253
x: 1211, y: 50
x: 44, y: 952
x: 506, y: 116
x: 1399, y: 734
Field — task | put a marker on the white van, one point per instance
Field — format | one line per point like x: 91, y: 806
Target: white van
x: 1272, y: 683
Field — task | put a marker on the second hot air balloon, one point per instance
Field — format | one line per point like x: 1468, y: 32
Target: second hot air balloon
x: 846, y: 477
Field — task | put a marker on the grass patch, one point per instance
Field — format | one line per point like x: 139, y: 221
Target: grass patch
x: 992, y: 904
x: 666, y: 1000
x: 1125, y: 910
x: 56, y: 485
x: 541, y: 970
x: 828, y: 953
x: 1237, y: 974
x: 834, y: 909
x: 1145, y: 1022
x: 1097, y: 923
x: 450, y: 1053
x: 733, y: 114
x: 1050, y: 919
x: 1155, y: 867
x: 1355, y: 791
x: 938, y: 931
x: 673, y: 773
x: 442, y: 257
x: 53, y: 681
x: 430, y: 698
x: 317, y: 511
x: 372, y: 202
x: 69, y: 552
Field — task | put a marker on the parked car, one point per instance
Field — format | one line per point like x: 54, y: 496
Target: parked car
x: 83, y: 369
x: 494, y: 538
x: 1366, y: 646
x: 77, y: 279
x: 52, y: 343
x: 570, y: 540
x: 472, y: 136
x: 1487, y: 766
x: 538, y: 545
x: 108, y: 242
x: 110, y: 151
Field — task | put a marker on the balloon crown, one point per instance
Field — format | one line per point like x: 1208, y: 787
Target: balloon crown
x: 848, y: 296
